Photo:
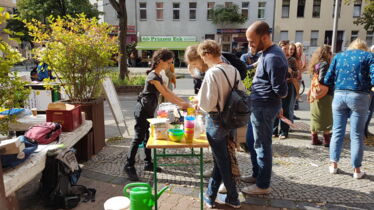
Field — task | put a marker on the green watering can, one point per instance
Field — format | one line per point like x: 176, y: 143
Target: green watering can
x: 141, y: 197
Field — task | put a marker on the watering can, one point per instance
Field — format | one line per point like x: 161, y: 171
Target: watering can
x: 141, y: 197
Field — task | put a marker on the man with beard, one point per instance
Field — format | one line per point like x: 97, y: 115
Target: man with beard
x: 269, y: 87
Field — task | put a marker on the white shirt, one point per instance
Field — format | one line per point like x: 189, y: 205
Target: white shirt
x: 215, y: 88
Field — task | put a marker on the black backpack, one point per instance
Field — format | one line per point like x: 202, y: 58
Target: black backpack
x: 237, y: 63
x: 59, y: 178
x: 236, y: 111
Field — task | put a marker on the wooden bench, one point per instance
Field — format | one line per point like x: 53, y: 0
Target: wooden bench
x: 13, y: 179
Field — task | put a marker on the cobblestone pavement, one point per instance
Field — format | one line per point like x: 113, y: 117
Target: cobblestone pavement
x: 300, y: 171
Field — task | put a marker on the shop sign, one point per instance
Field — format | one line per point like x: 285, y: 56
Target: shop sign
x: 231, y: 31
x: 168, y: 39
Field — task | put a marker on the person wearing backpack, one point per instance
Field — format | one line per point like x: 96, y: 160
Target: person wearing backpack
x: 268, y: 88
x: 211, y: 98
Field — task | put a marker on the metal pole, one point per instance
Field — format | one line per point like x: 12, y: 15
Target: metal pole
x: 335, y: 27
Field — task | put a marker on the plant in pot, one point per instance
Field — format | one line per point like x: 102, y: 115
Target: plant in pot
x: 79, y: 52
x: 12, y: 89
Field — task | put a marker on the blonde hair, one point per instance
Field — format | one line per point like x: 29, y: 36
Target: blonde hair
x: 321, y: 54
x: 358, y: 44
x: 191, y: 54
x: 299, y: 44
x: 209, y: 47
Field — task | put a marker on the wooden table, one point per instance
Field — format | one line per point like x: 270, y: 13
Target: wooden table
x: 25, y: 122
x: 166, y: 144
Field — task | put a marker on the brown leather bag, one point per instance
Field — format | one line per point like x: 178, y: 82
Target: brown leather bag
x: 317, y: 90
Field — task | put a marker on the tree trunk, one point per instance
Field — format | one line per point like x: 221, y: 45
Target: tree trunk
x: 122, y: 40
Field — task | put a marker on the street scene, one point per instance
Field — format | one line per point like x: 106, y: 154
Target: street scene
x: 153, y: 104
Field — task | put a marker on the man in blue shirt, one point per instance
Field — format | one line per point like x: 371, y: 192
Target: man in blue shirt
x: 268, y: 88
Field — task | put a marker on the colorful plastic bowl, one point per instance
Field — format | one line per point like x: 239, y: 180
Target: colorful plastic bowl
x: 176, y: 134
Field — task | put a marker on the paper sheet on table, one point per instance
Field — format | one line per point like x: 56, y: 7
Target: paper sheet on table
x: 287, y: 121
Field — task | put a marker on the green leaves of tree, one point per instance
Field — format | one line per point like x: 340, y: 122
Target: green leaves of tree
x: 227, y: 15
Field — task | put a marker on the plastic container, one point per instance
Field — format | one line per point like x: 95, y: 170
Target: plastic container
x: 69, y: 119
x: 176, y: 135
x: 159, y: 128
x: 189, y: 128
x: 199, y: 126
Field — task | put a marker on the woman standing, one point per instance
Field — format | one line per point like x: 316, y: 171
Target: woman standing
x: 351, y: 73
x: 320, y: 110
x: 211, y: 97
x: 145, y: 108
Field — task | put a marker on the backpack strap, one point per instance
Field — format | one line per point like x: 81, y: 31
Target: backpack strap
x: 232, y: 88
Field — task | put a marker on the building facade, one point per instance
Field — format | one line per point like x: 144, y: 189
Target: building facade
x: 9, y: 6
x: 311, y: 23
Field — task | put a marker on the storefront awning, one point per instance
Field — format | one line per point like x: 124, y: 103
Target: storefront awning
x: 167, y: 45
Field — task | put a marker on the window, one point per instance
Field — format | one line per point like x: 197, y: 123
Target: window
x: 354, y: 35
x: 160, y: 10
x: 286, y: 9
x: 333, y: 9
x: 316, y: 8
x: 300, y: 8
x: 228, y: 4
x: 245, y: 9
x: 193, y: 6
x: 210, y: 10
x: 261, y: 10
x: 209, y: 36
x: 314, y: 39
x: 369, y: 38
x: 299, y: 36
x: 357, y: 8
x: 284, y: 35
x: 143, y: 10
x: 176, y: 10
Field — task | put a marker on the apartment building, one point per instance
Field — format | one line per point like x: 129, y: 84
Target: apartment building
x: 9, y: 6
x: 311, y: 22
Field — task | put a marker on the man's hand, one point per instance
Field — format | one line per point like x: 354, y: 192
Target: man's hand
x: 280, y: 113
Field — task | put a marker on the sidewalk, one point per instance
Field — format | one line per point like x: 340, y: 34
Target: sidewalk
x: 300, y: 177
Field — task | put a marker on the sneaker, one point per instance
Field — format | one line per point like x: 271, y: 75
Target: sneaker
x: 254, y: 190
x: 222, y: 189
x: 149, y: 167
x: 282, y: 136
x: 333, y: 170
x: 248, y: 179
x: 208, y: 202
x: 131, y: 173
x: 208, y: 173
x: 359, y: 175
x: 221, y: 199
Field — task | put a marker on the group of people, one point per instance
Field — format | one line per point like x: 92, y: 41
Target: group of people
x: 274, y: 92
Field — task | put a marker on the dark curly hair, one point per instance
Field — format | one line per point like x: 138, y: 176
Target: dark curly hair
x: 158, y: 55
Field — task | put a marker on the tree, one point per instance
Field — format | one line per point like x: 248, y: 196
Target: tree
x: 227, y: 15
x: 42, y: 9
x: 120, y: 7
x: 367, y: 17
x: 19, y: 31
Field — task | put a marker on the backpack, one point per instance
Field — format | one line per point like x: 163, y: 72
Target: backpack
x: 317, y: 90
x: 44, y: 133
x: 237, y: 63
x: 59, y: 178
x: 236, y: 111
x: 42, y: 70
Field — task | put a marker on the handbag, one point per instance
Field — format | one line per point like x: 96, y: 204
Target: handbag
x: 317, y: 90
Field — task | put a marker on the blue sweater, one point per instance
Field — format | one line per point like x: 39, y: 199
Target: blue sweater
x: 269, y: 83
x: 351, y: 70
x: 253, y: 58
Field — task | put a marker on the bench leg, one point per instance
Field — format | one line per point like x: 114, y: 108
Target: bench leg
x: 12, y: 202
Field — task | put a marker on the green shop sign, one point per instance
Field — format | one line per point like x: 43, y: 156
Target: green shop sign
x: 168, y: 39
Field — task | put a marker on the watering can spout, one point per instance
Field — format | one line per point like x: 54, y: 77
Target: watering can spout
x: 161, y: 191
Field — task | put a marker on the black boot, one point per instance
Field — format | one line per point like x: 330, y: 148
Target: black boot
x: 326, y: 140
x: 131, y: 172
x: 149, y: 167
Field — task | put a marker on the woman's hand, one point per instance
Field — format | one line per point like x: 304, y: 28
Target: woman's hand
x: 185, y: 105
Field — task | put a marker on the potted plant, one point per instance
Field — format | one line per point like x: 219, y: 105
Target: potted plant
x: 12, y: 89
x: 79, y: 51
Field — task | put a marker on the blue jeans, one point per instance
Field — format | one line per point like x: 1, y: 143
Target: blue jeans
x: 370, y: 114
x: 252, y: 152
x: 288, y: 105
x: 353, y: 105
x: 218, y: 137
x: 262, y: 120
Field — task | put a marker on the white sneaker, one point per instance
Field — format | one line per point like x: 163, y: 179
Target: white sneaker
x: 333, y: 170
x: 359, y: 175
x: 254, y: 190
x: 222, y: 189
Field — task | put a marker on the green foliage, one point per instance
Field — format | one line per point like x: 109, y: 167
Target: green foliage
x: 367, y: 17
x: 19, y: 30
x: 132, y: 80
x: 227, y: 15
x: 248, y: 79
x: 130, y: 47
x: 12, y: 90
x: 42, y: 9
x: 78, y: 50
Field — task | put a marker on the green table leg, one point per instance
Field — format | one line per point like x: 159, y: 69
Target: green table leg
x: 155, y: 175
x: 201, y: 178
